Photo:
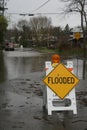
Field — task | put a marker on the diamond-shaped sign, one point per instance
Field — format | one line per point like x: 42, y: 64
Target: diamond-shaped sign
x: 61, y: 81
x: 77, y: 35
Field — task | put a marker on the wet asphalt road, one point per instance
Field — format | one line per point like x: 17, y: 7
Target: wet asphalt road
x: 21, y: 94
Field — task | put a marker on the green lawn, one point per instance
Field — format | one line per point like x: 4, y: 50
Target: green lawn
x: 74, y: 52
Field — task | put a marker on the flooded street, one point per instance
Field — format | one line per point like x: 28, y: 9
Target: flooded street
x: 21, y: 94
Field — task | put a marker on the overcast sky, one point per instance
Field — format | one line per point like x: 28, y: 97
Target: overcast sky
x: 31, y: 6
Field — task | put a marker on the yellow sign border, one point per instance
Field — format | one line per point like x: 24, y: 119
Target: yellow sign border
x: 69, y: 72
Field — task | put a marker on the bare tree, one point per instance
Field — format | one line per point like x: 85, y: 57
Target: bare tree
x: 79, y: 6
x: 40, y: 27
x: 25, y: 32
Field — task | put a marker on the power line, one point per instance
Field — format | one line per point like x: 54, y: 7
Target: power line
x: 41, y: 6
x: 33, y: 14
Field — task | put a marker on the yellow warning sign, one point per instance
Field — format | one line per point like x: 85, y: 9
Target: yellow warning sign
x: 61, y: 81
x: 77, y: 35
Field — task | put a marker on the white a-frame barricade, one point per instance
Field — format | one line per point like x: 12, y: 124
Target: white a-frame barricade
x: 52, y: 102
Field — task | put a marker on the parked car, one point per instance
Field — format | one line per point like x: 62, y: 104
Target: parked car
x: 9, y: 46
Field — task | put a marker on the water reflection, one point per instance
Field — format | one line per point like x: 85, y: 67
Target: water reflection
x: 2, y: 68
x: 22, y: 66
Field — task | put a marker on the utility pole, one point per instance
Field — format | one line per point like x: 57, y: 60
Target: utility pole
x: 2, y: 7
